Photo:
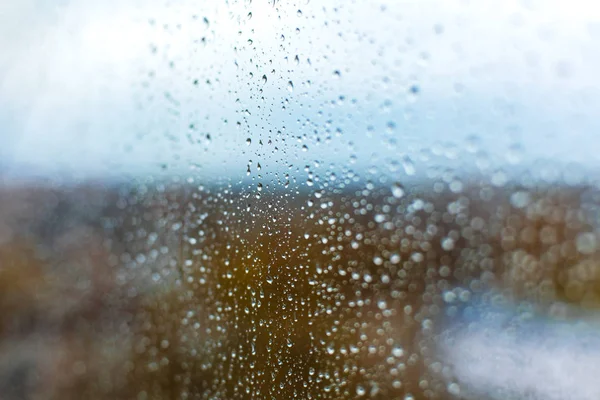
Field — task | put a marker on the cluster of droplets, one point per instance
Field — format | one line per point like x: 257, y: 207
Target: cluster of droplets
x: 327, y: 249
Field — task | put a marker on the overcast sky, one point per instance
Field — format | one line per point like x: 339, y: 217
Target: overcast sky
x: 106, y: 88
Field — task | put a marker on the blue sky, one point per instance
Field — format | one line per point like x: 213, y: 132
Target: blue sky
x: 110, y: 88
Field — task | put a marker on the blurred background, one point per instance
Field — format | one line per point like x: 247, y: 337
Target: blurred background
x: 265, y: 199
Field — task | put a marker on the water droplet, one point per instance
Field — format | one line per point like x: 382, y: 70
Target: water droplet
x: 397, y: 190
x: 449, y: 297
x: 360, y: 390
x: 454, y: 389
x: 520, y: 199
x: 409, y: 165
x: 448, y: 244
x: 586, y: 243
x: 397, y: 352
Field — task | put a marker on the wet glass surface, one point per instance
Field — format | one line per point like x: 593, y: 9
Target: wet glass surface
x: 311, y: 200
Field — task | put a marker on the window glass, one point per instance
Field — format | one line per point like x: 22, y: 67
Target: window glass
x: 268, y: 199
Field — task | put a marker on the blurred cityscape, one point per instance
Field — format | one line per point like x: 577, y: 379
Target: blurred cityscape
x: 169, y: 290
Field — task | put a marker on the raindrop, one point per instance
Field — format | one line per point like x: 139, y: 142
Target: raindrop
x: 586, y: 243
x: 397, y: 190
x: 360, y: 390
x: 454, y: 389
x: 448, y: 244
x: 520, y: 199
x: 409, y: 166
x: 397, y: 352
